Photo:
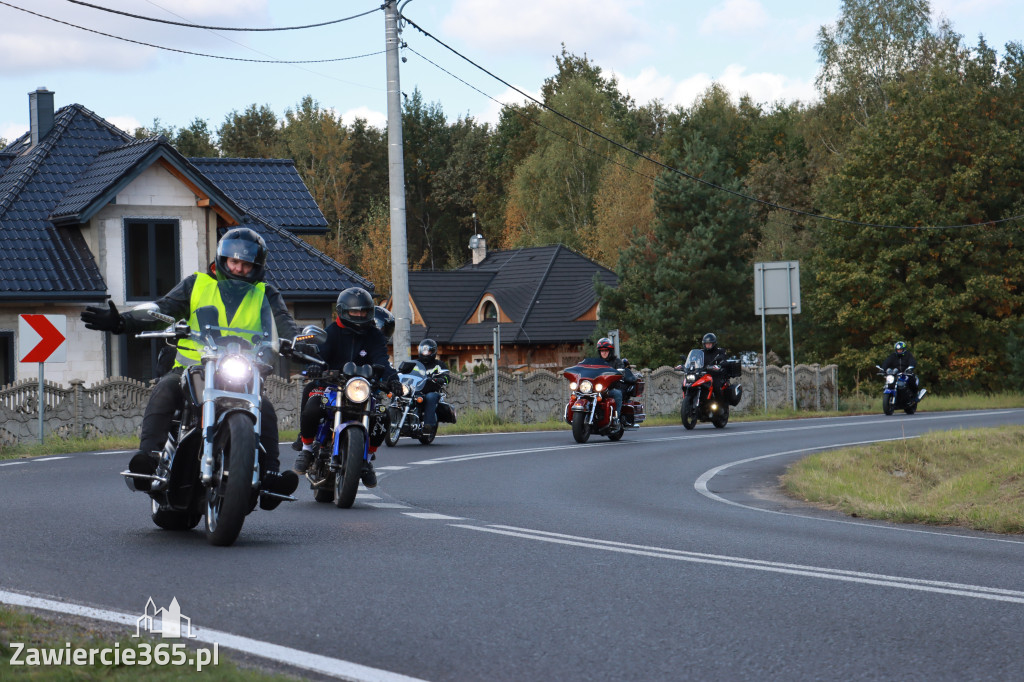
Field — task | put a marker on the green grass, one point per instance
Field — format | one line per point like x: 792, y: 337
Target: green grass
x: 968, y: 478
x: 38, y: 632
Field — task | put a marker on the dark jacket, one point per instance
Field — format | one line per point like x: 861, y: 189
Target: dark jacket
x: 900, y: 362
x: 715, y: 356
x: 366, y: 348
x: 178, y: 303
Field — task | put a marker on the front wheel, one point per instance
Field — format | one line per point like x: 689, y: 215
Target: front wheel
x: 346, y: 481
x: 619, y: 433
x: 888, y: 403
x: 580, y: 429
x: 228, y: 498
x: 721, y: 418
x: 688, y: 413
x: 394, y: 428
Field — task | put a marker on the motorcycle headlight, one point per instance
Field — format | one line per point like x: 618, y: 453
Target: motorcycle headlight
x: 586, y: 386
x: 691, y: 378
x: 406, y: 390
x: 235, y: 369
x: 889, y: 379
x: 599, y: 387
x: 573, y: 385
x: 357, y: 390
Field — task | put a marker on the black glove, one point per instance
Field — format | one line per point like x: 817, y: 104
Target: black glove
x: 395, y: 386
x: 103, y: 319
x: 307, y: 349
x: 314, y: 370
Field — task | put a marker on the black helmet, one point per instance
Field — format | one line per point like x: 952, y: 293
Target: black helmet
x: 427, y: 349
x: 355, y: 308
x: 709, y: 338
x: 604, y: 343
x: 245, y: 244
x: 900, y: 347
x: 384, y: 321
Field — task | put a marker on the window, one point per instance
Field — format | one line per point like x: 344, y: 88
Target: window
x: 151, y: 270
x: 6, y: 357
x: 151, y: 258
x: 489, y: 311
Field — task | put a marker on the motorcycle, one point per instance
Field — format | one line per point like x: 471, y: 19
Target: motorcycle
x: 355, y: 419
x: 897, y: 395
x: 210, y: 463
x: 589, y: 407
x: 700, y: 403
x: 406, y: 410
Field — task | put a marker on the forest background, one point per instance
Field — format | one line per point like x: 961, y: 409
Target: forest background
x: 899, y: 191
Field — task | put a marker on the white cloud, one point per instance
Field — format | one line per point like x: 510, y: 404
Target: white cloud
x: 765, y: 88
x: 12, y: 131
x: 126, y: 123
x: 27, y: 53
x: 735, y: 16
x: 377, y: 119
x: 540, y: 26
x: 493, y: 112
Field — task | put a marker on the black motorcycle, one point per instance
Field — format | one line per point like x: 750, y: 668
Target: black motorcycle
x: 897, y: 394
x: 210, y: 464
x: 405, y: 413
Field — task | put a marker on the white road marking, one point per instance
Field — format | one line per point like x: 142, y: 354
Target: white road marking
x: 701, y: 486
x: 387, y: 505
x: 50, y: 459
x: 10, y: 464
x: 432, y: 517
x: 333, y: 667
x: 940, y: 587
x: 391, y: 468
x: 367, y: 496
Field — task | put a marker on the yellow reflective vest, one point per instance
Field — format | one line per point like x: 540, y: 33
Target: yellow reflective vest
x: 206, y: 292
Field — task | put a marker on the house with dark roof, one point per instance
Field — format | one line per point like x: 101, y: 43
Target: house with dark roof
x: 88, y: 214
x: 541, y: 299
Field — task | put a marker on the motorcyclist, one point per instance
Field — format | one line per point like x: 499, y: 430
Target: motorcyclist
x: 606, y: 351
x: 353, y: 338
x: 901, y: 359
x: 714, y: 361
x: 426, y: 353
x: 234, y: 284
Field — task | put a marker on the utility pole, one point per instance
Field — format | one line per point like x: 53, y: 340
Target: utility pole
x: 396, y: 185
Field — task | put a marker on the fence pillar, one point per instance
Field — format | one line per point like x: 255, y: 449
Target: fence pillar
x: 77, y: 421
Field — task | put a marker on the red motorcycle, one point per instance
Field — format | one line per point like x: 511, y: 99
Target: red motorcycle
x: 700, y: 402
x: 589, y: 409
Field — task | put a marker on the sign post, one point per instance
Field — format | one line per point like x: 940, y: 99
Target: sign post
x: 497, y: 354
x: 43, y: 336
x: 777, y: 292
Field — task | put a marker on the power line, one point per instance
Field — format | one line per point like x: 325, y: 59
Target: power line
x: 188, y: 52
x: 788, y: 209
x: 219, y: 28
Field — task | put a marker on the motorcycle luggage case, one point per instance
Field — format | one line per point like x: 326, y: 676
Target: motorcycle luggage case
x: 735, y: 394
x: 733, y: 369
x: 445, y: 413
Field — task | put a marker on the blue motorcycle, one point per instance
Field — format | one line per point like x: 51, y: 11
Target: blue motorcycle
x: 353, y: 421
x: 897, y: 393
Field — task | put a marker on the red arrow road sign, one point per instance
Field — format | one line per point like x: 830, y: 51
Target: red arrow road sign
x: 50, y: 339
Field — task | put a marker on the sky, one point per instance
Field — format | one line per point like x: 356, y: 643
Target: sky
x: 667, y: 50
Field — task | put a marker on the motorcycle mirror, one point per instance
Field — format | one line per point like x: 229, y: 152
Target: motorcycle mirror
x: 312, y: 334
x: 151, y: 311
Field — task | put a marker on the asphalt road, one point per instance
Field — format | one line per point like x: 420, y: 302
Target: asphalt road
x: 669, y: 555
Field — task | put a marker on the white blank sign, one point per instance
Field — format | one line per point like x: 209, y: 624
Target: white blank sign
x: 781, y: 287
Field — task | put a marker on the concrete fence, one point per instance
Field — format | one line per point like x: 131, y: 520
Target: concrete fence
x: 115, y: 405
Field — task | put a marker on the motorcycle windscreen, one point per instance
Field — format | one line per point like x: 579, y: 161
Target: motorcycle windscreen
x: 695, y: 360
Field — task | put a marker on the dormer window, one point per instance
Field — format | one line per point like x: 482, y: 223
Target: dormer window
x: 490, y: 311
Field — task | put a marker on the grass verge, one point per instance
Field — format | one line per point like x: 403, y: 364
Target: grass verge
x: 65, y: 634
x: 968, y: 478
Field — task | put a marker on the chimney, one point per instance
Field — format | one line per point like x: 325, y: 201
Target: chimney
x: 40, y: 109
x: 478, y: 245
